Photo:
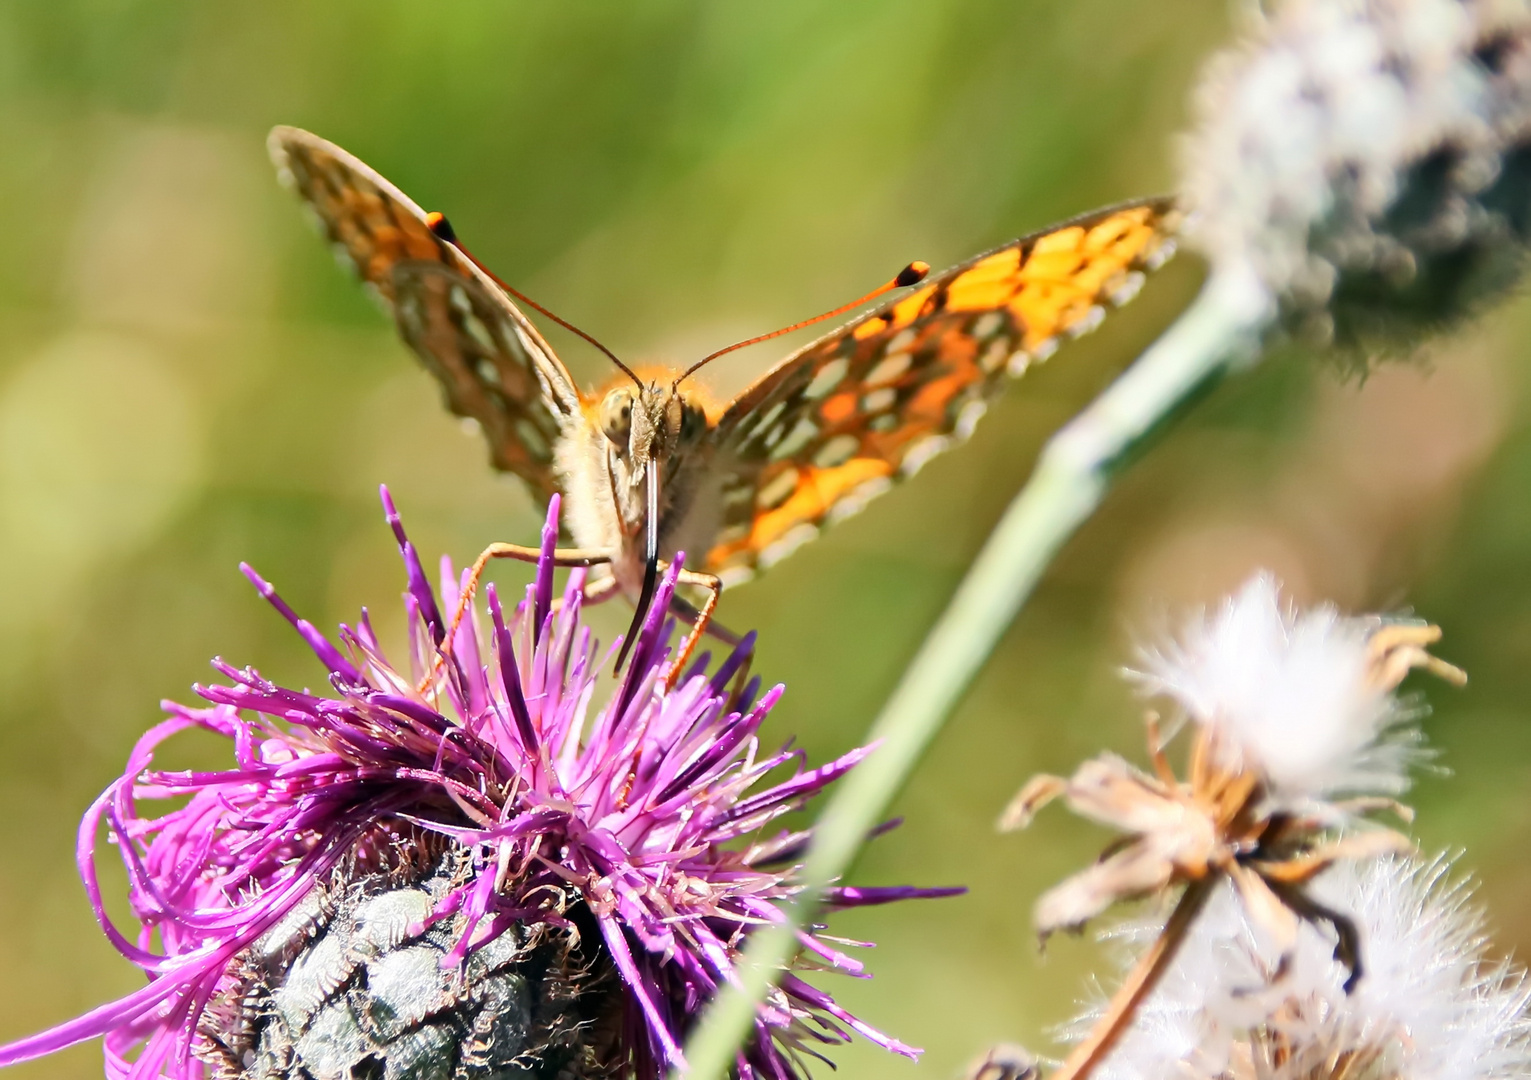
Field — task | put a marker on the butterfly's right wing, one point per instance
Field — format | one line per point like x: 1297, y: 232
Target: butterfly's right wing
x: 842, y: 418
x: 490, y: 360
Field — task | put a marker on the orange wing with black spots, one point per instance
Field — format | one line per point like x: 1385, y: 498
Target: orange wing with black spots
x: 837, y: 422
x: 492, y: 363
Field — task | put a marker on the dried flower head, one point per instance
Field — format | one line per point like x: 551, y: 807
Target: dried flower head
x: 1433, y: 1007
x: 489, y: 879
x: 1370, y: 161
x: 1255, y: 811
x: 1005, y: 1061
x: 1287, y: 709
x: 1220, y: 823
x: 1309, y: 695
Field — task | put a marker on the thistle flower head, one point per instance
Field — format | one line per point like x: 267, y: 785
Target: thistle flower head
x: 498, y: 829
x: 1433, y: 1007
x: 1369, y: 161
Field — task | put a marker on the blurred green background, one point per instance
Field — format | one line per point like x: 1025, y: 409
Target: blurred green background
x: 186, y: 381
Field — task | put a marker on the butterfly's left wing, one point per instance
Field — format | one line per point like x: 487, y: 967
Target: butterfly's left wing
x: 491, y: 362
x: 837, y: 422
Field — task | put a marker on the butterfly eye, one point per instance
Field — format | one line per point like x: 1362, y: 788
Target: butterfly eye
x: 692, y: 422
x: 617, y: 416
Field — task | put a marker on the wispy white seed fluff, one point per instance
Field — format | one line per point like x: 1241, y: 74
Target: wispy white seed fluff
x: 1429, y: 1006
x: 1370, y: 160
x: 1296, y: 692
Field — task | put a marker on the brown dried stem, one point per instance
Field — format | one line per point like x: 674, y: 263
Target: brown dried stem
x: 1139, y: 983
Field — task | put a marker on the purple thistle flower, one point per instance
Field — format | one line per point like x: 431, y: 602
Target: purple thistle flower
x: 628, y: 829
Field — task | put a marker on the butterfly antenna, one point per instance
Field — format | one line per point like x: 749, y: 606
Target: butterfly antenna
x: 650, y: 562
x: 442, y: 228
x: 912, y: 274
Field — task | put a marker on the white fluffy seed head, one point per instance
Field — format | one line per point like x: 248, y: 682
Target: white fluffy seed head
x: 1369, y: 160
x: 1292, y: 692
x: 1429, y: 1006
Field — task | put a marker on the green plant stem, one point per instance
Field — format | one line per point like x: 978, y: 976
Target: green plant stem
x: 1070, y: 480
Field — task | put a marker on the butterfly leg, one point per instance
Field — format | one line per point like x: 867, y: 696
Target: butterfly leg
x: 714, y: 587
x: 691, y: 614
x: 598, y: 591
x: 601, y: 589
x: 561, y: 557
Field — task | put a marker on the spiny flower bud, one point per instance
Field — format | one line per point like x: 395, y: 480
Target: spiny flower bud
x: 355, y: 981
x: 1370, y: 161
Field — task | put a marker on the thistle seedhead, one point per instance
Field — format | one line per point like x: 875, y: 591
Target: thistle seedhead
x: 1370, y: 161
x: 1435, y: 1007
x: 1251, y: 815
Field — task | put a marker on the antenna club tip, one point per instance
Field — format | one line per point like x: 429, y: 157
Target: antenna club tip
x: 912, y: 274
x: 437, y: 222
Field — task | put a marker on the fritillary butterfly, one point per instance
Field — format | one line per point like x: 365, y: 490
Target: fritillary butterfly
x: 650, y: 465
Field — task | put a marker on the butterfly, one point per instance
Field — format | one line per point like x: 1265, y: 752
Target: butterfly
x: 650, y: 464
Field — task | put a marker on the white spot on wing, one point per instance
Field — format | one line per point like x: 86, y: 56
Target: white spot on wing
x: 1091, y: 320
x: 878, y: 400
x: 1019, y: 361
x: 921, y: 452
x: 988, y: 324
x: 827, y: 378
x: 487, y: 371
x: 1159, y: 255
x: 800, y: 435
x: 729, y: 576
x: 532, y: 439
x: 1130, y: 284
x: 775, y: 492
x: 855, y: 500
x: 478, y: 331
x: 968, y: 419
x: 887, y: 369
x: 837, y: 451
x: 789, y: 542
x: 994, y: 356
x: 765, y: 420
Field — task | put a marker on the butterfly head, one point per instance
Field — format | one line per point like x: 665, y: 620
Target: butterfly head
x: 645, y: 424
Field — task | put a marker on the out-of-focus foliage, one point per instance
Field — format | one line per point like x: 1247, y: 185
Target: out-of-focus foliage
x: 187, y: 381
